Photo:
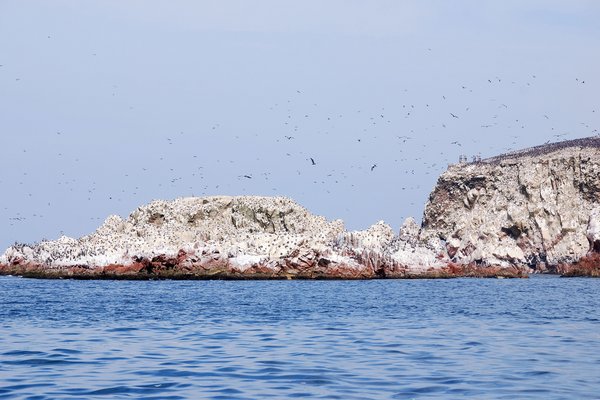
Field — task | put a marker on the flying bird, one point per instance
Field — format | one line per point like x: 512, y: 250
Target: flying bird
x: 312, y: 160
x: 373, y: 167
x: 454, y: 115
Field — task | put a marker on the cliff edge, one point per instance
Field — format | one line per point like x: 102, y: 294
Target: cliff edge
x: 538, y: 207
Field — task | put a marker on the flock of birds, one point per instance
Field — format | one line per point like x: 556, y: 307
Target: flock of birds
x: 306, y: 140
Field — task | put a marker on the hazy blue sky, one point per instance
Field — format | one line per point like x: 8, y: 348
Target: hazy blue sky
x: 107, y: 105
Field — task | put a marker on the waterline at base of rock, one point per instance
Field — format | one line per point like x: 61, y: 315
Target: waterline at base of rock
x: 156, y: 270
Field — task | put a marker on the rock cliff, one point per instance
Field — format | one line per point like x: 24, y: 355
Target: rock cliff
x: 538, y: 207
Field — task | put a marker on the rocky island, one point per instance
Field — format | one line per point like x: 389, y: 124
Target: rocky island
x: 535, y: 210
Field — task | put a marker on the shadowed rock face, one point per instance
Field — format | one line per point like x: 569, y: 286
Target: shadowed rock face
x: 537, y: 207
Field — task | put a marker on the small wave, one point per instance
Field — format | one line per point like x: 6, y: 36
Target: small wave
x: 36, y: 362
x: 66, y: 351
x: 143, y: 389
x: 122, y: 329
x: 23, y: 353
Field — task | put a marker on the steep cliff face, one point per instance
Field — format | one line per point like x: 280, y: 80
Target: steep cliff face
x: 537, y: 207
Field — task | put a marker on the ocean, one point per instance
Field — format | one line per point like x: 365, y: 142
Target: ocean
x: 536, y: 338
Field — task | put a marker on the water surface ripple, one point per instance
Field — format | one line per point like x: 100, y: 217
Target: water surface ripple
x: 535, y: 338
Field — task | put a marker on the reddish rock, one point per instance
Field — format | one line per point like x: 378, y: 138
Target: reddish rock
x: 587, y: 266
x: 451, y: 251
x: 114, y: 269
x: 368, y: 265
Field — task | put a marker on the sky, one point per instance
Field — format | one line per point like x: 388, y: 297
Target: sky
x: 108, y: 105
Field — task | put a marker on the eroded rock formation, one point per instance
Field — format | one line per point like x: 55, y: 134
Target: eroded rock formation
x: 537, y: 207
x: 227, y: 237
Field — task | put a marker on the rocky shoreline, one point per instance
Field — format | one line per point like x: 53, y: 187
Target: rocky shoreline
x: 163, y: 268
x: 588, y: 266
x: 532, y: 211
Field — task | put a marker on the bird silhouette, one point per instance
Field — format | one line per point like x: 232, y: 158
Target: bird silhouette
x: 312, y: 160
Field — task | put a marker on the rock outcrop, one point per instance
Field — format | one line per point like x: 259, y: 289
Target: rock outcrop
x: 231, y: 237
x: 538, y: 207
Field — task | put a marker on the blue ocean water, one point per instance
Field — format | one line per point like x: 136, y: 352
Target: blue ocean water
x: 535, y: 338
